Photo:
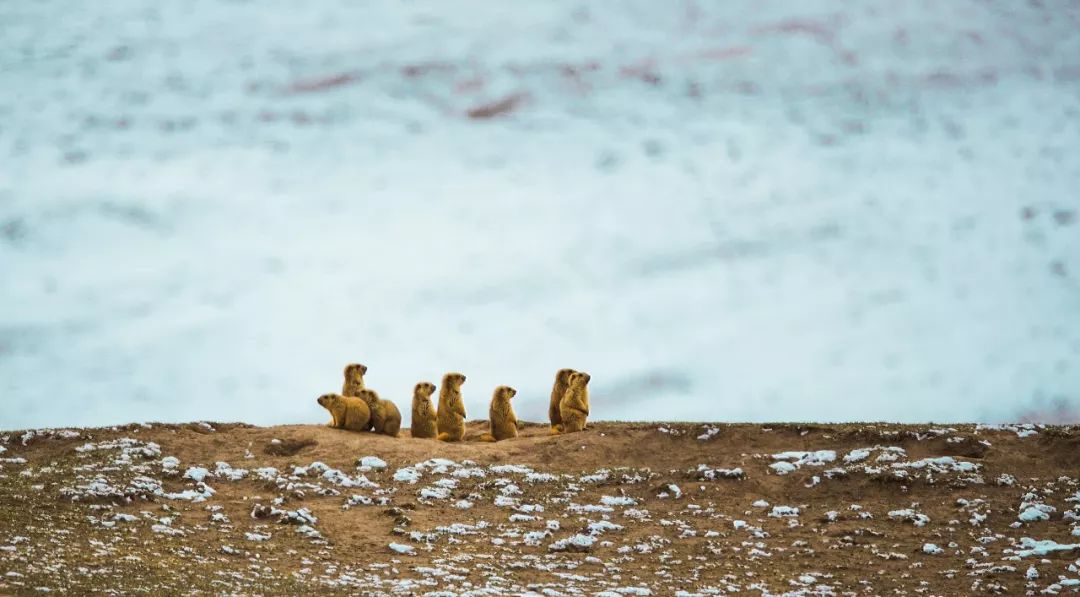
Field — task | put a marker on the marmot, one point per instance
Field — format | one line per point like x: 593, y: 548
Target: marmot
x: 451, y: 416
x: 574, y: 407
x: 562, y: 379
x: 354, y: 379
x: 346, y: 412
x: 385, y: 416
x: 501, y: 418
x: 423, y: 413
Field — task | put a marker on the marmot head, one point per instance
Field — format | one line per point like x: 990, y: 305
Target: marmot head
x: 453, y: 380
x: 505, y: 393
x: 368, y: 396
x: 424, y: 389
x: 579, y: 379
x: 354, y: 370
x: 327, y: 399
x: 563, y: 376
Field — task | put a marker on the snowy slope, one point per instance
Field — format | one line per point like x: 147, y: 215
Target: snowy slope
x: 735, y: 211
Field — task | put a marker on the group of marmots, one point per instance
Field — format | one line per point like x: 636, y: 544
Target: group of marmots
x: 358, y: 408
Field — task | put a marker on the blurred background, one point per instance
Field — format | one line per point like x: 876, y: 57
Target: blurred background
x: 733, y: 211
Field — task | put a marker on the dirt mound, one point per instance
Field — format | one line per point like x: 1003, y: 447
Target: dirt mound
x: 627, y: 508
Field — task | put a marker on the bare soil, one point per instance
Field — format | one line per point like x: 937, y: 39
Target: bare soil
x: 627, y: 508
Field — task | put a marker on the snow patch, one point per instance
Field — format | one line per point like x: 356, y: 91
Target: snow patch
x: 371, y: 463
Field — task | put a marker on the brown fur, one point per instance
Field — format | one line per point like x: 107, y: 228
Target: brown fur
x: 385, y: 416
x: 562, y: 379
x: 346, y: 412
x: 423, y: 413
x: 354, y: 379
x: 502, y: 421
x: 574, y: 407
x: 451, y: 415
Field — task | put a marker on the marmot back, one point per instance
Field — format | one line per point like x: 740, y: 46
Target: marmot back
x: 392, y: 418
x: 423, y: 412
x: 385, y: 417
x: 502, y: 422
x: 451, y: 415
x: 562, y: 380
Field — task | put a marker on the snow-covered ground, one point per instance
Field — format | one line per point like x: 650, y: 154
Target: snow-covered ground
x: 723, y: 211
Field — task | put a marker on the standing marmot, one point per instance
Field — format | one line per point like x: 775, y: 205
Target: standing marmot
x: 562, y: 379
x: 451, y: 415
x: 574, y: 408
x: 385, y: 416
x: 423, y: 413
x: 501, y: 418
x: 346, y: 412
x: 354, y: 379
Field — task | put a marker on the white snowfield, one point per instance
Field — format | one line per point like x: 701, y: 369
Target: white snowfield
x: 727, y: 210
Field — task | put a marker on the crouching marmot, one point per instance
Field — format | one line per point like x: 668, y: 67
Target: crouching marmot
x: 385, y: 416
x: 501, y: 418
x: 451, y: 416
x: 562, y: 380
x: 574, y: 407
x: 346, y: 412
x: 354, y: 379
x: 423, y: 413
